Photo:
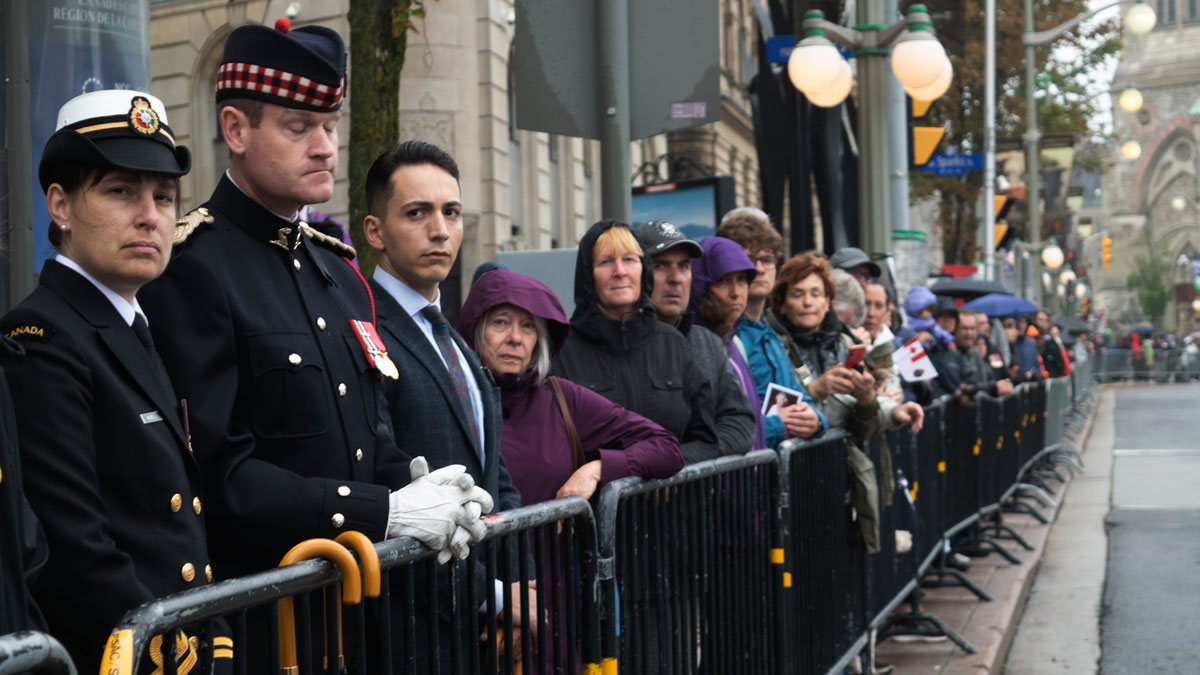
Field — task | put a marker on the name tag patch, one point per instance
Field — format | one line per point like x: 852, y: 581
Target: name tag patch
x: 151, y: 417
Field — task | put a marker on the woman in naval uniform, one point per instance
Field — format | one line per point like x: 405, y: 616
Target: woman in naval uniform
x: 103, y: 440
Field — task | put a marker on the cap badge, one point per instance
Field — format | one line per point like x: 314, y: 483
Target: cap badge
x: 142, y: 117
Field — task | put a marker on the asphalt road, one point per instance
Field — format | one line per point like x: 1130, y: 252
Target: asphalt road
x: 1150, y: 618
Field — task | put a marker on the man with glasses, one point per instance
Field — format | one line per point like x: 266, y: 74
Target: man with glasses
x: 751, y: 228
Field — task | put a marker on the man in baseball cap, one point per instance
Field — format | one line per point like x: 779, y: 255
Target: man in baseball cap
x: 672, y: 253
x: 858, y: 264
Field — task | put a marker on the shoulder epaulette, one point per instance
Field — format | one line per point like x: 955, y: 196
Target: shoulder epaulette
x: 188, y: 224
x: 336, y: 245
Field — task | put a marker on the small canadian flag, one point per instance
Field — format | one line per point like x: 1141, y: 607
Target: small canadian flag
x: 913, y: 363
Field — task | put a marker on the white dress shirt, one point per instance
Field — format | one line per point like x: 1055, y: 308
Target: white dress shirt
x: 127, y: 310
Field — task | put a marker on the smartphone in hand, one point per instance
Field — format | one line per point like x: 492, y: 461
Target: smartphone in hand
x: 857, y: 354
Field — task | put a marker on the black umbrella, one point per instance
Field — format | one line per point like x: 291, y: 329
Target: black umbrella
x: 967, y: 289
x: 1072, y: 326
x: 1143, y: 329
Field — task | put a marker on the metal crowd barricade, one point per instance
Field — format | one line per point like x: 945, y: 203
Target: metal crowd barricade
x: 743, y: 564
x: 33, y: 653
x: 427, y: 618
x: 691, y: 557
x: 823, y: 605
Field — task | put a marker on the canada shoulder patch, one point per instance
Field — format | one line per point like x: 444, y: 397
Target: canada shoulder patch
x: 30, y: 331
x: 185, y: 226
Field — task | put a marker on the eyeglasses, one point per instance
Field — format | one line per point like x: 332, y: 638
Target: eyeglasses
x: 768, y: 262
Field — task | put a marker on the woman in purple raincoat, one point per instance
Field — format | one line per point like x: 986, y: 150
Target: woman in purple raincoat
x: 517, y: 325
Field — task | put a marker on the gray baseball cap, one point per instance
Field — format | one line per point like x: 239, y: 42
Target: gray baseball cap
x: 850, y: 257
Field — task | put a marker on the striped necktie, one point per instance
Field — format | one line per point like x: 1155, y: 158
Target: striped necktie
x: 441, y: 333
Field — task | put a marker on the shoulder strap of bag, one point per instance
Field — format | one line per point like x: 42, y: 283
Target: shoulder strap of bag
x: 572, y: 434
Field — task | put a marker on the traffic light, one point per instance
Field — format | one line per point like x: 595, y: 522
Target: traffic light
x: 922, y: 141
x: 1083, y: 306
x: 1105, y: 250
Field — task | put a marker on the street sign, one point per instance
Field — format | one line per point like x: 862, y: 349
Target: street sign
x: 954, y: 164
x: 779, y: 48
x: 674, y: 73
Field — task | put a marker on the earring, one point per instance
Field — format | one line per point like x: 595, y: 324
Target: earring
x: 63, y: 228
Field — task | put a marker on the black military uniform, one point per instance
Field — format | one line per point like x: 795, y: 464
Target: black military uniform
x: 253, y: 321
x: 22, y: 544
x: 107, y: 465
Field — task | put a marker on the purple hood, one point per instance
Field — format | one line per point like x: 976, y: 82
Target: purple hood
x: 721, y: 256
x: 501, y: 287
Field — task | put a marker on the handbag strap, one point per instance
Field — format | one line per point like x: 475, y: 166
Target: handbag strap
x: 572, y: 435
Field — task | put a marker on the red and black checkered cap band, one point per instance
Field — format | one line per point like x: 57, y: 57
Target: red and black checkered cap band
x: 262, y: 83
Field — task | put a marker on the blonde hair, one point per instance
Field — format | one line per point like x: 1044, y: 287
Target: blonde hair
x: 617, y: 240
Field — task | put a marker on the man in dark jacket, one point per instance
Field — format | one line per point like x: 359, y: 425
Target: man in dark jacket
x: 625, y: 353
x: 968, y: 364
x: 672, y: 254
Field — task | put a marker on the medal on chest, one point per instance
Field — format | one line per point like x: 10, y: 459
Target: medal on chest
x: 372, y: 347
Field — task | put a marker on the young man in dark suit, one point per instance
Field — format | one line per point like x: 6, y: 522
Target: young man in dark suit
x: 443, y: 401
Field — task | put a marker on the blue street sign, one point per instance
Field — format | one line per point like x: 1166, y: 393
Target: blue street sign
x: 954, y: 164
x: 779, y: 48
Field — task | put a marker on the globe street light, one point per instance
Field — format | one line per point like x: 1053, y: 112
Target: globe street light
x: 1180, y: 203
x: 1081, y: 290
x: 1130, y: 100
x: 1052, y: 256
x: 1067, y: 276
x: 919, y: 62
x: 1140, y: 19
x: 1131, y: 150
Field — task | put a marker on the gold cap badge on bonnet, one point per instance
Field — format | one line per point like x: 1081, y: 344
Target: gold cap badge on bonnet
x: 142, y: 117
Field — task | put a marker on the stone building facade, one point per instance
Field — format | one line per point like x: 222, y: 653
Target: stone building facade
x: 1142, y: 196
x: 521, y: 189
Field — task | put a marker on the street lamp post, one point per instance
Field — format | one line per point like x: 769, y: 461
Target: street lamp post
x: 919, y: 62
x: 1140, y: 19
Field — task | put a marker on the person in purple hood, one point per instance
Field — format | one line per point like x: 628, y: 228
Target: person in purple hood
x: 517, y: 326
x: 720, y: 284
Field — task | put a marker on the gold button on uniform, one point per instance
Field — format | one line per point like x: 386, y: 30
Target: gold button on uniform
x: 176, y: 502
x: 296, y: 264
x: 1, y: 475
x: 208, y: 572
x: 341, y: 388
x: 343, y: 491
x: 196, y: 505
x: 188, y: 572
x: 338, y: 520
x: 321, y: 322
x: 294, y: 359
x: 358, y: 455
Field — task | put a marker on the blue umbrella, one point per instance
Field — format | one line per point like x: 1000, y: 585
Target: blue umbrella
x: 997, y: 305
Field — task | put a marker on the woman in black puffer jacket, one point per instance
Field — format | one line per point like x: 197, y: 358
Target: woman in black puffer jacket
x: 619, y: 349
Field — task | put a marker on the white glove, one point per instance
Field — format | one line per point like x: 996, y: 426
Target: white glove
x: 440, y: 509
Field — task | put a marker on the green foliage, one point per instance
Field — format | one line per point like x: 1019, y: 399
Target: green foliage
x: 1065, y: 100
x: 1149, y: 281
x: 378, y: 37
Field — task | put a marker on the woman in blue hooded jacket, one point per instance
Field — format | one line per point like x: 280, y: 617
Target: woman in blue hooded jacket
x: 720, y: 283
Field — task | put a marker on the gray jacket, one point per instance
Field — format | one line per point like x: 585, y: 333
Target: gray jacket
x: 735, y: 419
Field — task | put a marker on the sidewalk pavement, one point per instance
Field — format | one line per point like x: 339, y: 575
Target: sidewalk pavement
x: 990, y: 626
